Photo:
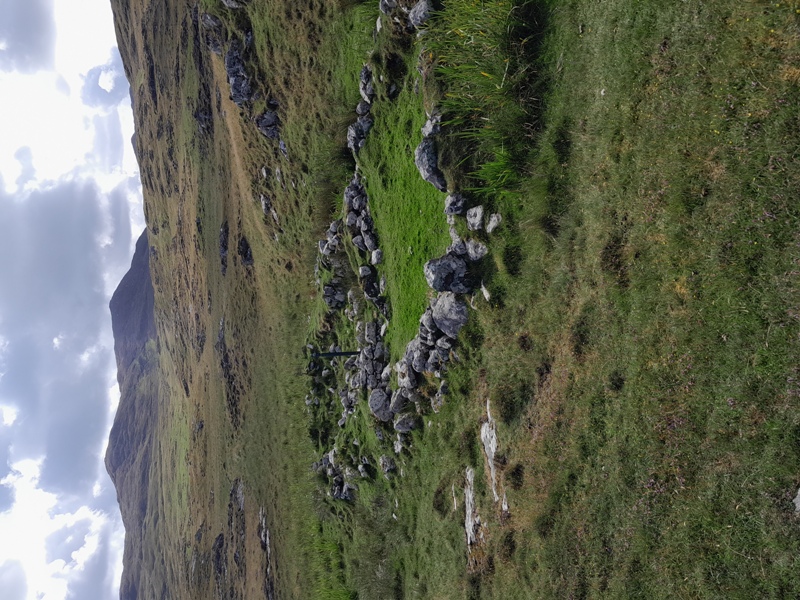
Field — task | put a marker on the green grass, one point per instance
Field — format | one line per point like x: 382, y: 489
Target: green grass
x: 651, y: 272
x: 640, y: 347
x: 641, y: 344
x: 400, y: 200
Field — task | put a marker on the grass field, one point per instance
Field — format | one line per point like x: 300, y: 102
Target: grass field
x: 640, y: 348
x: 639, y: 351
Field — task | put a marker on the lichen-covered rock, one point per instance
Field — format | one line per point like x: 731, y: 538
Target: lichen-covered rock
x: 449, y: 313
x: 454, y: 204
x: 379, y: 405
x: 419, y: 14
x: 476, y: 250
x: 475, y: 218
x: 494, y: 221
x: 447, y: 274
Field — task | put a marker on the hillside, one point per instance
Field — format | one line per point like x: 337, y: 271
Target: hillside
x: 556, y: 243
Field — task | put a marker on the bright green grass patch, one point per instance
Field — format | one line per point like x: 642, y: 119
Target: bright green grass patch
x: 408, y: 211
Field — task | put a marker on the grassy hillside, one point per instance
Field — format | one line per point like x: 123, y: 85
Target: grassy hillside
x: 638, y: 350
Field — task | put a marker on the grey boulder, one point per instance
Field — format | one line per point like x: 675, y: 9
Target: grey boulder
x: 427, y: 161
x: 454, y: 204
x: 379, y: 405
x: 419, y: 14
x: 447, y: 274
x: 449, y: 314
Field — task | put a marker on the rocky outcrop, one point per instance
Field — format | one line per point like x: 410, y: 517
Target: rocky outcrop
x: 238, y: 79
x: 268, y: 124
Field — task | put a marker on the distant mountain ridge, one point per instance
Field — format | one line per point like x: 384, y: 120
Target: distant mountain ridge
x: 128, y: 456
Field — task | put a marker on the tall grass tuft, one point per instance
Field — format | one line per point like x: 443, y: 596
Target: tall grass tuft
x: 478, y: 48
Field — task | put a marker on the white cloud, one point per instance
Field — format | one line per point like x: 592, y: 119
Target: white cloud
x: 50, y: 136
x: 8, y: 414
x: 31, y: 520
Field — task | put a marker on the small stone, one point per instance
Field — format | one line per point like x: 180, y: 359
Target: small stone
x: 476, y: 250
x: 419, y: 14
x: 377, y: 257
x: 454, y: 204
x: 475, y: 218
x: 494, y: 221
x: 405, y: 423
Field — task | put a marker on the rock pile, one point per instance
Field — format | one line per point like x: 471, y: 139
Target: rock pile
x: 429, y: 351
x: 333, y: 239
x: 341, y: 489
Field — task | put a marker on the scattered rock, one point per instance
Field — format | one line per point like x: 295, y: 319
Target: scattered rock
x: 449, y: 313
x: 405, y: 374
x: 489, y: 439
x: 475, y: 218
x: 387, y: 464
x: 454, y: 204
x: 419, y: 14
x: 269, y: 124
x: 223, y: 246
x: 245, y: 252
x: 472, y: 522
x: 387, y: 6
x: 365, y: 87
x: 379, y: 405
x: 427, y: 161
x: 438, y: 400
x: 494, y: 221
x: 357, y: 133
x: 377, y: 257
x: 214, y: 33
x: 363, y: 108
x: 405, y: 423
x: 476, y: 250
x: 433, y: 125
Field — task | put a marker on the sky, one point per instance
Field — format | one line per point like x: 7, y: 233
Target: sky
x: 70, y: 213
